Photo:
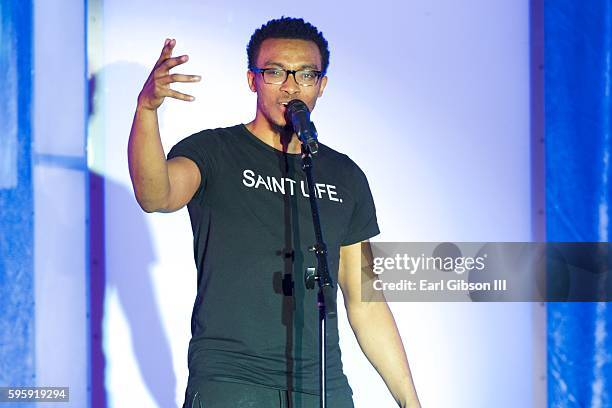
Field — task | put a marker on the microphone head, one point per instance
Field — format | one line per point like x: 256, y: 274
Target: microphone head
x: 295, y: 106
x: 298, y: 115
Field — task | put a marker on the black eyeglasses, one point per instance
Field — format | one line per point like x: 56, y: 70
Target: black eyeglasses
x: 278, y: 76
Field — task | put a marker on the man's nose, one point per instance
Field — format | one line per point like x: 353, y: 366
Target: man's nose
x: 290, y: 85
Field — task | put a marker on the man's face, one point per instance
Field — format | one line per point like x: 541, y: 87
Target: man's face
x: 288, y: 54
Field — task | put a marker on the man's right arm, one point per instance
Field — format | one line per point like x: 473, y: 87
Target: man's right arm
x: 160, y: 185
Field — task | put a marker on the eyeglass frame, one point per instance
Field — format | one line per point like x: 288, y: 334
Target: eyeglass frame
x: 289, y: 72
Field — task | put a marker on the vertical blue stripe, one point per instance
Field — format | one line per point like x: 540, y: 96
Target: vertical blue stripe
x: 577, y: 117
x: 16, y: 203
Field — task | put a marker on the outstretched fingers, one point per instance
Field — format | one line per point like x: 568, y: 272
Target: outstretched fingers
x: 168, y: 79
x: 178, y: 95
x: 157, y: 85
x: 170, y: 63
x: 166, y: 51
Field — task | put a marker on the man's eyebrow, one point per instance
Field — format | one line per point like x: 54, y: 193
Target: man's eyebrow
x: 304, y: 66
x: 310, y: 66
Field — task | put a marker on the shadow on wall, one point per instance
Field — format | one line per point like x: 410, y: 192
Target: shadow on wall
x: 122, y: 251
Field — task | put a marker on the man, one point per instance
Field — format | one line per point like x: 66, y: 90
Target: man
x: 254, y: 324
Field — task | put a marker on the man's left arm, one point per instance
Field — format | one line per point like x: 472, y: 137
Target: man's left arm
x: 374, y: 325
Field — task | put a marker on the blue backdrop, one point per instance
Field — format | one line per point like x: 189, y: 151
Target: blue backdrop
x: 16, y: 205
x: 577, y: 117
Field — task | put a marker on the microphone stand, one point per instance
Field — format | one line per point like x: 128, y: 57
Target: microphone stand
x: 325, y: 297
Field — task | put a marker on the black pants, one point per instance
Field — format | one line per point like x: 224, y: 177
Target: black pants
x: 218, y: 394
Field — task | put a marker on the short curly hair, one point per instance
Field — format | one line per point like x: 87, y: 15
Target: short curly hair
x: 288, y: 28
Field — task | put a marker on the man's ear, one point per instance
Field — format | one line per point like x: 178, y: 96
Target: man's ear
x: 322, y: 86
x: 251, y: 80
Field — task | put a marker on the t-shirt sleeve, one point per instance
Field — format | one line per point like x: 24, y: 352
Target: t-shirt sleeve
x: 199, y: 148
x: 363, y: 224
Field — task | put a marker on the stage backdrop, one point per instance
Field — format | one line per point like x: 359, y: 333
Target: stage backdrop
x: 435, y: 110
x: 44, y: 334
x: 17, y: 311
x: 578, y: 143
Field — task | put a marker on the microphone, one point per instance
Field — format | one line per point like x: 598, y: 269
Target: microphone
x: 299, y: 116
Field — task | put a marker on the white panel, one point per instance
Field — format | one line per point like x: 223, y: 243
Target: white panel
x: 60, y: 282
x: 59, y: 77
x: 60, y: 195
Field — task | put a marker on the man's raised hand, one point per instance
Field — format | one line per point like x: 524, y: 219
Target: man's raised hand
x: 157, y: 86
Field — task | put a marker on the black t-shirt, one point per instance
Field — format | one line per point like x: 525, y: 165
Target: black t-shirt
x: 253, y: 320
